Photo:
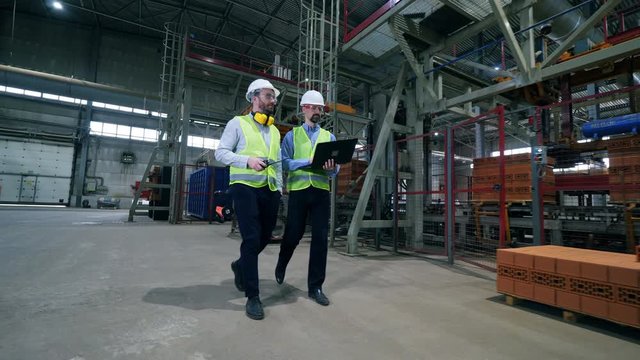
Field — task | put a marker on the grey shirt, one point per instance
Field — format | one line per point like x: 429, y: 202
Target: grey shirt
x: 233, y: 141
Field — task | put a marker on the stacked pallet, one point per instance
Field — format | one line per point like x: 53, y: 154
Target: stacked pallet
x: 624, y: 169
x: 596, y: 283
x: 348, y: 175
x: 486, y: 179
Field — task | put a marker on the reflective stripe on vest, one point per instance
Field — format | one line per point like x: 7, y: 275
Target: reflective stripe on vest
x: 303, y: 178
x: 255, y: 146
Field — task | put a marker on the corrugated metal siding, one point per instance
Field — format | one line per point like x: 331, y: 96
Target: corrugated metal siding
x: 130, y: 63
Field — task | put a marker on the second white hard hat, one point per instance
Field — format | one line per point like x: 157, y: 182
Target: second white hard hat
x: 312, y: 97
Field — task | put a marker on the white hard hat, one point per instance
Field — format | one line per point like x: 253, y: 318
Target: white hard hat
x: 260, y: 84
x: 312, y: 97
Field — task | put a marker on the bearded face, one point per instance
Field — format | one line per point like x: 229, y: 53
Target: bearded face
x: 266, y: 102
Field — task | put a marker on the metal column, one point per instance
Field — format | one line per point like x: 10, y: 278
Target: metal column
x: 449, y: 169
x: 83, y: 138
x: 374, y: 164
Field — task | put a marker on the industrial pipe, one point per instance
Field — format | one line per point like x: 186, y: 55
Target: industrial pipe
x: 596, y: 129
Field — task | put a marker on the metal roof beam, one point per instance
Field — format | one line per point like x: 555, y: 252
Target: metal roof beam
x: 516, y: 51
x: 227, y: 11
x: 251, y: 8
x: 584, y: 62
x: 474, y: 29
x: 459, y: 10
x: 377, y: 23
x: 271, y: 17
x: 112, y: 17
x: 215, y: 15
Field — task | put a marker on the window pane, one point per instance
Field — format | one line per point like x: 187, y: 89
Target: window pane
x: 96, y: 128
x: 210, y: 143
x: 14, y: 90
x: 150, y: 135
x: 124, y: 131
x: 32, y: 93
x: 109, y: 129
x: 66, y: 99
x: 137, y: 133
x: 195, y: 141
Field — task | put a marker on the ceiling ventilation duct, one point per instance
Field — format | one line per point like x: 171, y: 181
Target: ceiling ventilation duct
x: 562, y: 26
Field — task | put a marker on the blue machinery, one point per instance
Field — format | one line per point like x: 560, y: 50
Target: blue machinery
x: 596, y: 129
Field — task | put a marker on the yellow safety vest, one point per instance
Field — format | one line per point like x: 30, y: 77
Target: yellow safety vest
x: 303, y: 178
x: 255, y: 146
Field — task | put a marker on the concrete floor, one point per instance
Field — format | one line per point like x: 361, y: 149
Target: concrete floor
x: 84, y: 284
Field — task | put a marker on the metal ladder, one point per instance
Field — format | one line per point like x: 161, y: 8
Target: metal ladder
x: 165, y: 153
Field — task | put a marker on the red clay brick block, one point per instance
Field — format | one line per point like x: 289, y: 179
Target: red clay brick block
x: 567, y: 300
x: 544, y: 263
x: 568, y: 267
x: 523, y: 260
x: 505, y: 257
x: 624, y: 276
x: 592, y: 271
x: 628, y: 296
x: 504, y: 285
x: 523, y: 290
x: 544, y: 295
x: 595, y: 307
x: 624, y: 314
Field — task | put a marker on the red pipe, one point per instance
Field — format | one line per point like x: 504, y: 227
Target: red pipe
x: 370, y: 20
x: 503, y: 189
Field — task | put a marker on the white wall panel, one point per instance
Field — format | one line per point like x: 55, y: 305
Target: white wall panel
x: 35, y: 172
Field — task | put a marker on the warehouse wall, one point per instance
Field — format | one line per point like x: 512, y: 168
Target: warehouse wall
x: 117, y: 59
x: 108, y: 174
x: 120, y: 60
x: 115, y: 179
x: 35, y: 117
x: 79, y: 52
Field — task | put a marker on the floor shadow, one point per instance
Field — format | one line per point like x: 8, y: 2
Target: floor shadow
x: 626, y: 333
x: 220, y: 297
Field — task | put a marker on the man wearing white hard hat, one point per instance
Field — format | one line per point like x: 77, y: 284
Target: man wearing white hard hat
x: 308, y: 195
x: 250, y: 145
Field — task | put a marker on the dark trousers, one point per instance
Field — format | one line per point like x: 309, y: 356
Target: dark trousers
x: 315, y: 203
x: 256, y: 210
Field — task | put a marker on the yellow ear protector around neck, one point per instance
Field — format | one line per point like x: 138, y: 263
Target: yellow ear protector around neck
x: 264, y: 119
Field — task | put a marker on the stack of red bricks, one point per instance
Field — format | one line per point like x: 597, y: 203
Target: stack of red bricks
x: 486, y: 175
x: 624, y: 169
x: 348, y: 175
x: 597, y: 283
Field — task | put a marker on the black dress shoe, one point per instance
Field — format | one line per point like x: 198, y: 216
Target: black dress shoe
x: 319, y: 297
x: 254, y: 308
x: 237, y: 275
x: 280, y: 275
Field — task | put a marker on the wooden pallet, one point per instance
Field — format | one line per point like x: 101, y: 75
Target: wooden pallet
x: 570, y: 316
